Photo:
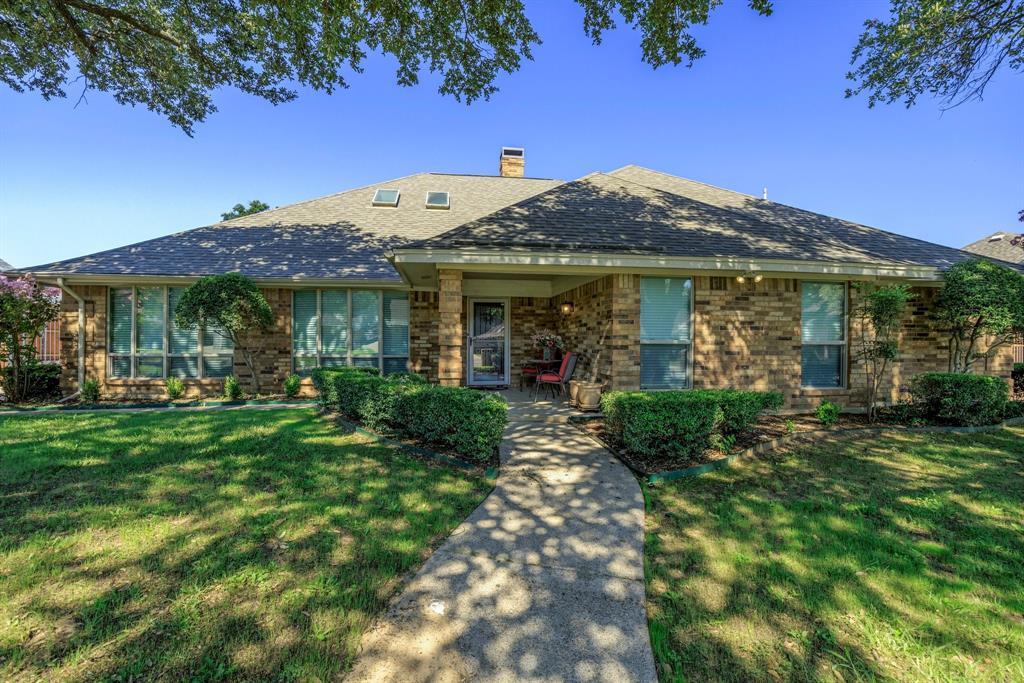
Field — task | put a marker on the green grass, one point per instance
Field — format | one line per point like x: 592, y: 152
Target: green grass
x: 899, y: 558
x: 203, y: 546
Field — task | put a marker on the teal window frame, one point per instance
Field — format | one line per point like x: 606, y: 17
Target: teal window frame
x: 134, y: 356
x: 677, y: 343
x: 349, y: 357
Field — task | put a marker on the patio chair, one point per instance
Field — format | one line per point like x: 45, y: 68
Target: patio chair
x: 528, y: 371
x: 557, y: 379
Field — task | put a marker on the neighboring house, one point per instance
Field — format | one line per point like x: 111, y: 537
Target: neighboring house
x: 48, y: 342
x: 1005, y: 246
x: 657, y: 281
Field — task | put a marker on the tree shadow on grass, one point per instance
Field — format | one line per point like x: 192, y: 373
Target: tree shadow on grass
x: 853, y: 558
x: 244, y: 545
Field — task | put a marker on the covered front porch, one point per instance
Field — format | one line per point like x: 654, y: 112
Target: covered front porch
x: 477, y: 327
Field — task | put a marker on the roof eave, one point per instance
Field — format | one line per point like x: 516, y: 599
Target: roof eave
x: 633, y: 262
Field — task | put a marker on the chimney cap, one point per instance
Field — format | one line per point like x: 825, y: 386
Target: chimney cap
x: 513, y: 152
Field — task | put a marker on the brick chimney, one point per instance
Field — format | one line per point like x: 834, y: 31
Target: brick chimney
x: 513, y: 162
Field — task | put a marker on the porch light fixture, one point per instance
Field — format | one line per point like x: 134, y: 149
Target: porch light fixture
x: 567, y: 307
x: 756, y: 277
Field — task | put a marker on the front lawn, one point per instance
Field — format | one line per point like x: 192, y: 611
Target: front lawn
x: 857, y: 558
x: 199, y: 546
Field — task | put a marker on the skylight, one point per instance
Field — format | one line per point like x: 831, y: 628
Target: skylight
x: 438, y: 200
x: 385, y: 198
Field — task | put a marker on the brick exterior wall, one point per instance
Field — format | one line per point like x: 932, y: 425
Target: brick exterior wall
x: 744, y: 336
x: 424, y: 350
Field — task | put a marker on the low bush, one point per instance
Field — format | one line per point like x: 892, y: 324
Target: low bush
x: 676, y: 425
x: 461, y: 420
x: 90, y: 391
x: 42, y: 380
x: 1018, y: 378
x: 292, y: 384
x: 828, y: 413
x: 232, y: 389
x: 175, y: 388
x: 959, y: 399
x: 1014, y: 409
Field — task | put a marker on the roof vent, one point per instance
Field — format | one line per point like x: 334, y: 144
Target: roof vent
x: 513, y: 162
x: 998, y: 237
x: 385, y: 197
x: 438, y: 200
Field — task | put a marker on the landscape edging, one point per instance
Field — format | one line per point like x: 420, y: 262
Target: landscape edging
x: 770, y: 445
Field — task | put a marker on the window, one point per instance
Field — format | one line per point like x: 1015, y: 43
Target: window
x: 665, y: 329
x: 145, y: 343
x: 438, y: 200
x: 823, y: 335
x: 385, y: 198
x: 334, y: 327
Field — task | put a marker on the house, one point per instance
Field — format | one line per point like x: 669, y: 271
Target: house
x: 656, y: 281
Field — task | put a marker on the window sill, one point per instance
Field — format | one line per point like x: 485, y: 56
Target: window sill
x: 143, y: 381
x: 818, y: 391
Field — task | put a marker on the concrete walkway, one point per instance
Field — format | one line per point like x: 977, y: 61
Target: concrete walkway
x: 544, y: 581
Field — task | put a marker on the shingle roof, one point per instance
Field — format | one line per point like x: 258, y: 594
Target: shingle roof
x: 998, y: 245
x: 338, y: 236
x: 636, y: 210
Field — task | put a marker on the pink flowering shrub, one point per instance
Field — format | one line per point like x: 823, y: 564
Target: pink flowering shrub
x: 25, y: 308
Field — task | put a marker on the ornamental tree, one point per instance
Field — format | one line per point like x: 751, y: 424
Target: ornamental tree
x: 981, y: 305
x: 230, y: 305
x: 25, y: 308
x: 880, y: 313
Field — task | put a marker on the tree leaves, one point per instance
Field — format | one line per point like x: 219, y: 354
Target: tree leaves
x: 239, y: 210
x: 171, y: 55
x: 948, y: 48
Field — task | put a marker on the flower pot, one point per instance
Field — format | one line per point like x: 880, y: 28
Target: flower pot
x: 574, y: 390
x: 547, y: 353
x: 588, y: 396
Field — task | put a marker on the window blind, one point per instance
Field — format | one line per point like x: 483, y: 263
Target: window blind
x: 334, y: 332
x: 665, y: 330
x: 304, y: 322
x: 365, y: 323
x: 823, y: 333
x: 396, y: 323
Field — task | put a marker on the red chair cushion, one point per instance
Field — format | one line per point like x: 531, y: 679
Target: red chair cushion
x: 565, y: 362
x: 530, y: 371
x: 549, y: 377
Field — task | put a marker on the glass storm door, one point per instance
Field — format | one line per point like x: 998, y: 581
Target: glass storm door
x: 488, y: 342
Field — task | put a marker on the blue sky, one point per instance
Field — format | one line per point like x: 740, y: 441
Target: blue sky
x: 764, y: 107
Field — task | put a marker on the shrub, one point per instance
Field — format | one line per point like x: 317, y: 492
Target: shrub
x: 90, y: 391
x: 1018, y: 378
x: 292, y: 384
x: 1013, y: 409
x: 958, y: 399
x: 828, y: 413
x: 681, y: 424
x: 38, y: 381
x: 232, y: 389
x: 464, y: 421
x: 175, y: 388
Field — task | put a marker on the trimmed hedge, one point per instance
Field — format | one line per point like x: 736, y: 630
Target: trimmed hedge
x: 680, y: 424
x: 43, y: 380
x: 960, y: 400
x: 467, y: 422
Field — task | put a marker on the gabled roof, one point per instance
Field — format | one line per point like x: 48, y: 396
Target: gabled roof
x: 338, y: 236
x: 999, y: 245
x: 636, y: 210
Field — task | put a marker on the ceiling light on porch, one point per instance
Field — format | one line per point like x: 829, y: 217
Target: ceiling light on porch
x: 567, y: 307
x: 749, y: 275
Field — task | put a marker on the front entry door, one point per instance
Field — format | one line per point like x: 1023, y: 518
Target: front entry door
x: 488, y: 342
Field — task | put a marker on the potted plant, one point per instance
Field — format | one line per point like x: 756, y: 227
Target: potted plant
x: 548, y: 343
x: 586, y: 394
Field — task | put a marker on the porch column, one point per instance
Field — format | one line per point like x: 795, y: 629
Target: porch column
x: 624, y: 340
x: 450, y: 337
